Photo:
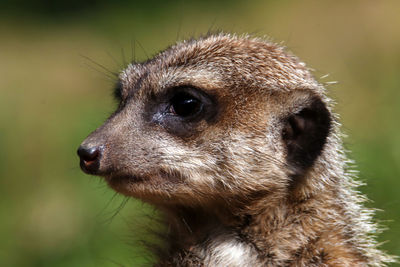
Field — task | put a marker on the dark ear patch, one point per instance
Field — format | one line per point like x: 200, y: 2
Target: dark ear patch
x: 305, y: 134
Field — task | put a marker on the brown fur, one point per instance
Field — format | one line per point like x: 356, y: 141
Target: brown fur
x: 231, y: 191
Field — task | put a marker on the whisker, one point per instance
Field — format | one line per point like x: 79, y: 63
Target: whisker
x: 118, y: 64
x: 118, y: 210
x: 144, y: 50
x: 107, y: 75
x: 133, y: 50
x: 107, y: 204
x: 123, y: 56
x: 114, y: 74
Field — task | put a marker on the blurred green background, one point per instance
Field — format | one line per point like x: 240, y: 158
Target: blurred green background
x: 53, y: 94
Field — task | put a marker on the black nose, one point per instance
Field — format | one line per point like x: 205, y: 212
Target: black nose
x: 90, y: 158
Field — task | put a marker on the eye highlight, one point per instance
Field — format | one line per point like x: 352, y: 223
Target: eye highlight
x: 185, y: 105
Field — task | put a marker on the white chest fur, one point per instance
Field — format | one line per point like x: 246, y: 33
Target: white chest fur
x: 228, y: 250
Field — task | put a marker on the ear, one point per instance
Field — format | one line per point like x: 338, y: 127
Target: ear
x: 305, y: 134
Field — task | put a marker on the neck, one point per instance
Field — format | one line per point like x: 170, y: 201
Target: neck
x: 266, y: 230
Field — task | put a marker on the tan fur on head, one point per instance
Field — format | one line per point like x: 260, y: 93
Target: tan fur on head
x: 234, y: 137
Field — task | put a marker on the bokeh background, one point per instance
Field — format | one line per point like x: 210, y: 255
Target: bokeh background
x: 55, y: 58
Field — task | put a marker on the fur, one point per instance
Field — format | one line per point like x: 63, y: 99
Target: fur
x: 258, y: 177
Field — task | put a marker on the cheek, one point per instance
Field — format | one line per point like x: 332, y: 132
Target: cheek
x: 254, y: 162
x: 195, y: 165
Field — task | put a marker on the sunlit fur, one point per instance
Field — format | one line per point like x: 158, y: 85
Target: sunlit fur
x: 227, y: 191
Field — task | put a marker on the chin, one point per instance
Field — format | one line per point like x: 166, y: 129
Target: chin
x: 154, y: 188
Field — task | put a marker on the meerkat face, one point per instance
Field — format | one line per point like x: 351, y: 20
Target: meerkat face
x: 219, y: 116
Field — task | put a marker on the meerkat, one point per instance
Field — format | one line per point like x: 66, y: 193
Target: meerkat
x: 235, y: 142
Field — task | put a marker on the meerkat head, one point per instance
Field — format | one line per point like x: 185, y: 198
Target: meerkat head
x: 219, y: 116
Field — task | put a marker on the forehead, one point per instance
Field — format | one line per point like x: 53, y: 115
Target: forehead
x: 155, y: 78
x: 217, y: 62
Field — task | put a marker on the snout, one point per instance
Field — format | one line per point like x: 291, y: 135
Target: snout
x: 90, y: 158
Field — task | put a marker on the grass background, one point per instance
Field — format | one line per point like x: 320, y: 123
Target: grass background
x: 52, y: 97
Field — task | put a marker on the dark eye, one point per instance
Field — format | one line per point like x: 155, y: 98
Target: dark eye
x: 185, y: 105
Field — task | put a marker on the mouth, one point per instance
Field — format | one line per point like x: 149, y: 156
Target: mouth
x: 89, y: 167
x: 127, y: 184
x: 160, y: 179
x: 156, y: 177
x: 125, y: 179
